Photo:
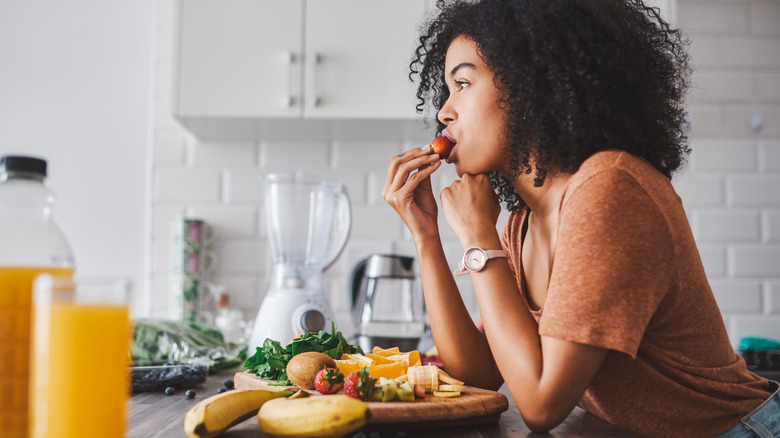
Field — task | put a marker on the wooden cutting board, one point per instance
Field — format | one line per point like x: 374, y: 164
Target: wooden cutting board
x: 474, y: 406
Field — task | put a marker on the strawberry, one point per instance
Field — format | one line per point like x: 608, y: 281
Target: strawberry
x: 328, y: 380
x: 442, y: 146
x: 359, y: 384
x: 419, y: 391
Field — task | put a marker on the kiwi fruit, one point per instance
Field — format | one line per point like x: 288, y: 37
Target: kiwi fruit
x: 303, y: 367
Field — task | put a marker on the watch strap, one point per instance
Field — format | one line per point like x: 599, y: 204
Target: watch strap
x: 489, y: 254
x: 461, y: 269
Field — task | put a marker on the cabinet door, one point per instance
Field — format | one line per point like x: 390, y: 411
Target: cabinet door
x: 357, y: 58
x: 239, y: 58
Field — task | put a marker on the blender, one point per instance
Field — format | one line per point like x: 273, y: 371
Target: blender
x: 307, y: 222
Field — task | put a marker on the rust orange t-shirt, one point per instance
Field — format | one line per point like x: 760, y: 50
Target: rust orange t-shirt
x: 627, y: 276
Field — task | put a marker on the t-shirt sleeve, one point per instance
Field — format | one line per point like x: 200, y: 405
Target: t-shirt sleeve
x: 611, y: 267
x: 510, y: 239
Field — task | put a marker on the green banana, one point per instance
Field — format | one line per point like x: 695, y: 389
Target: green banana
x: 216, y: 414
x: 320, y: 416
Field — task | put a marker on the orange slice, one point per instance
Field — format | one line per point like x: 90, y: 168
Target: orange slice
x: 390, y: 370
x: 386, y: 351
x: 410, y: 359
x: 347, y: 367
x: 366, y: 361
x: 414, y: 358
x: 379, y: 360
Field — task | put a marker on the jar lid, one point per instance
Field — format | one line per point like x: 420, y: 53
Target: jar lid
x: 23, y: 164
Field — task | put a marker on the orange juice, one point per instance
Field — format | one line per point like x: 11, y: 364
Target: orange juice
x: 84, y: 388
x: 15, y: 307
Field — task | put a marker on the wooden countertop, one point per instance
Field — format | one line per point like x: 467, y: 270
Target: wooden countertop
x: 158, y: 415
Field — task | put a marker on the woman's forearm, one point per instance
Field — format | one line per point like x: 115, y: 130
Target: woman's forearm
x: 545, y: 376
x: 508, y: 325
x: 463, y: 348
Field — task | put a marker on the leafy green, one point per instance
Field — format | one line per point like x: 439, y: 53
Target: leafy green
x: 163, y: 340
x: 270, y: 361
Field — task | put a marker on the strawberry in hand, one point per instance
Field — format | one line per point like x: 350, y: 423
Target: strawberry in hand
x: 441, y: 146
x: 359, y: 385
x: 328, y: 380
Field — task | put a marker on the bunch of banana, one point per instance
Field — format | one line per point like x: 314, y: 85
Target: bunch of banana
x: 319, y: 416
x: 216, y: 414
x: 435, y: 380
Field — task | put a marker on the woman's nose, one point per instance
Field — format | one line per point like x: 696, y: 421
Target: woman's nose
x: 446, y: 113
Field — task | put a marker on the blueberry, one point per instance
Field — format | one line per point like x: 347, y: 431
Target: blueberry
x: 170, y: 390
x: 229, y: 384
x: 189, y: 394
x: 221, y: 390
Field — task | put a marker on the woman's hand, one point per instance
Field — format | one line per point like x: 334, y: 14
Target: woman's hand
x: 471, y: 208
x: 408, y: 190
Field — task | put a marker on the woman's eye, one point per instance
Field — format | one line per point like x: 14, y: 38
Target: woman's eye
x: 459, y: 85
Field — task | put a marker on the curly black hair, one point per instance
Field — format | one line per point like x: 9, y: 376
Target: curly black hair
x: 577, y: 77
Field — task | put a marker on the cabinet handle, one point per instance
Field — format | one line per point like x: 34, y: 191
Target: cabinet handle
x: 315, y: 96
x: 289, y: 59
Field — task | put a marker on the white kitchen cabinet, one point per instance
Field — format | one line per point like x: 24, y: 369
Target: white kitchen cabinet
x: 238, y: 58
x: 358, y: 54
x: 318, y: 59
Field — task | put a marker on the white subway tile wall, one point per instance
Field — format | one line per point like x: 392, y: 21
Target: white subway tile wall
x: 730, y: 187
x: 772, y: 294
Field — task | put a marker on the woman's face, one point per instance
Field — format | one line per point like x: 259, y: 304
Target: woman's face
x: 471, y: 113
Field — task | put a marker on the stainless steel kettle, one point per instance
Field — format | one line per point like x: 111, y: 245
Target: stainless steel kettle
x: 387, y: 303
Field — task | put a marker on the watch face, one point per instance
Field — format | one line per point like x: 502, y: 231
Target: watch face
x: 475, y: 260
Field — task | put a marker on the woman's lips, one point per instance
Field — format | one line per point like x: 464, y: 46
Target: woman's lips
x: 451, y: 157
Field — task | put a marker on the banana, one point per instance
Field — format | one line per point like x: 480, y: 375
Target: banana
x: 320, y: 416
x: 446, y: 378
x: 454, y: 388
x: 425, y: 376
x: 216, y: 414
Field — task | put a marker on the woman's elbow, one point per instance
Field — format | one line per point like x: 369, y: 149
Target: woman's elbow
x: 540, y: 419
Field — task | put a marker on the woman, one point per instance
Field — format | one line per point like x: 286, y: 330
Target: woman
x: 569, y: 111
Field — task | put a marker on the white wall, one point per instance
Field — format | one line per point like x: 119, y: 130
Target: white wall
x: 731, y: 187
x: 75, y: 88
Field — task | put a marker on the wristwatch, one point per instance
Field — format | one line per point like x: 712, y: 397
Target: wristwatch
x: 475, y: 259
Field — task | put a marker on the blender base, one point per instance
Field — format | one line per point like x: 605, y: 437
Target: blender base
x: 283, y: 316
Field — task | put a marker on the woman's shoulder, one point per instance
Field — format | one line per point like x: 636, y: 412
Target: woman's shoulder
x: 618, y: 177
x: 617, y: 167
x: 615, y: 160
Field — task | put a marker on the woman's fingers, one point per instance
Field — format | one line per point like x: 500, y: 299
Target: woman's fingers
x: 415, y: 181
x: 408, y: 191
x: 396, y: 161
x: 407, y: 170
x: 423, y: 173
x: 404, y: 166
x: 391, y: 171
